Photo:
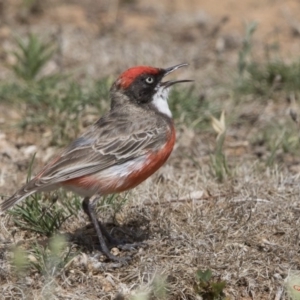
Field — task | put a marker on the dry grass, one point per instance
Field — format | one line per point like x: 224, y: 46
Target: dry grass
x: 242, y: 225
x: 246, y: 232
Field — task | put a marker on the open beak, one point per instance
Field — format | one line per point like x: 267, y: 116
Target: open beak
x: 170, y: 70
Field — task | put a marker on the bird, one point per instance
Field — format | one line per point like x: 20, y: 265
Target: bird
x: 119, y: 151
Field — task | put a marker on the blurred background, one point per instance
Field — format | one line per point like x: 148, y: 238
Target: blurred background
x: 101, y: 38
x: 227, y: 201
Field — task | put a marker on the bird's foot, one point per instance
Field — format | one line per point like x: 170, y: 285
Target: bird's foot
x: 121, y: 243
x: 117, y: 262
x: 131, y: 246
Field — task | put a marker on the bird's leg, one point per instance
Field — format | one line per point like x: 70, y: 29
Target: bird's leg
x: 108, y: 236
x: 119, y: 243
x: 112, y: 241
x: 89, y: 208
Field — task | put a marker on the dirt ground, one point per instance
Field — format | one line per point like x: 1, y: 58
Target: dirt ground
x: 246, y: 229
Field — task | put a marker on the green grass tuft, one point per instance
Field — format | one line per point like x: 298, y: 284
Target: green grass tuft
x: 208, y: 288
x: 50, y: 260
x: 45, y: 216
x: 31, y: 57
x: 192, y: 109
x: 265, y: 79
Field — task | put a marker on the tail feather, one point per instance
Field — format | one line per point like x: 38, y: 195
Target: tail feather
x: 28, y: 189
x: 17, y: 197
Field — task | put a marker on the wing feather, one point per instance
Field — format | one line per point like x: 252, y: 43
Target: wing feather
x: 92, y: 153
x: 114, y: 139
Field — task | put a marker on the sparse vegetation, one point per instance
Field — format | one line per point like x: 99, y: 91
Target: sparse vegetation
x: 245, y: 52
x: 53, y: 101
x: 209, y: 288
x: 265, y: 79
x: 218, y: 159
x: 31, y: 57
x: 45, y: 216
x: 273, y: 76
x: 240, y: 236
x: 42, y: 215
x: 186, y: 104
x: 50, y: 260
x: 47, y: 261
x: 112, y: 203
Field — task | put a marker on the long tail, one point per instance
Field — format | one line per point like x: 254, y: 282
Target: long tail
x: 26, y: 190
x: 17, y: 197
x: 36, y: 184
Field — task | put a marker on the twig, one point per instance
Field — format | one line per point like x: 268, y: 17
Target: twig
x: 279, y: 293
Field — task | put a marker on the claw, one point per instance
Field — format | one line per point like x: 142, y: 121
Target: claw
x: 120, y: 261
x: 130, y: 247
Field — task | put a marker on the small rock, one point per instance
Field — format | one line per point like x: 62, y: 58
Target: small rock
x: 115, y: 251
x: 29, y: 150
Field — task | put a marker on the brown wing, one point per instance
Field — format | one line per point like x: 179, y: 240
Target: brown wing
x: 105, y: 144
x: 112, y: 140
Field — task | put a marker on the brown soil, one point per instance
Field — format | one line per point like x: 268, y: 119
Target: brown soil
x: 246, y: 230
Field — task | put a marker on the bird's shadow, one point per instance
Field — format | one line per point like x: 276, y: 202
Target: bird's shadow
x: 135, y: 231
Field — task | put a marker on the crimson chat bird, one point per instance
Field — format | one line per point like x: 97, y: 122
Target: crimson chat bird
x: 122, y: 149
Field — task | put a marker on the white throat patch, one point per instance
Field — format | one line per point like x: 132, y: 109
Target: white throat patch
x: 160, y: 101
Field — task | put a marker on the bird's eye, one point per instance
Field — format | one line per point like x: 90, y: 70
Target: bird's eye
x: 149, y: 80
